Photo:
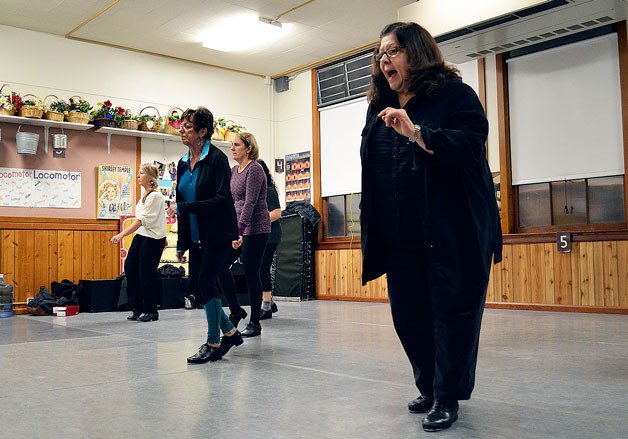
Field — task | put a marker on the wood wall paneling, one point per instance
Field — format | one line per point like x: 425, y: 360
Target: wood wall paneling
x: 592, y: 278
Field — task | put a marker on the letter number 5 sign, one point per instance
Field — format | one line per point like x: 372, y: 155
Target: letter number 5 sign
x: 563, y: 242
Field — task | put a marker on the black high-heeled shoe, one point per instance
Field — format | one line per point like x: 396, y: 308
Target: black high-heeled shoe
x: 149, y: 317
x: 136, y: 315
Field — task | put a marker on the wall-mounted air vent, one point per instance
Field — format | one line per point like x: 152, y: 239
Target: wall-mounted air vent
x: 344, y: 80
x: 545, y: 35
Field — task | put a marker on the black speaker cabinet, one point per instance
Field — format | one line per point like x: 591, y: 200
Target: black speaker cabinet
x: 171, y: 292
x: 99, y: 295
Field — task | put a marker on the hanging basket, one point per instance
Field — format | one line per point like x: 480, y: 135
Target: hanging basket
x: 172, y: 126
x: 32, y: 111
x: 52, y: 114
x: 9, y: 108
x: 26, y: 143
x: 150, y: 125
x: 128, y: 124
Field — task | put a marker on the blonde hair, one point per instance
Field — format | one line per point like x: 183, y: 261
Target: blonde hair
x: 250, y: 142
x: 152, y: 171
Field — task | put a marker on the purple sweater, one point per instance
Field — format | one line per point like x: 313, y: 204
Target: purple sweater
x: 248, y: 189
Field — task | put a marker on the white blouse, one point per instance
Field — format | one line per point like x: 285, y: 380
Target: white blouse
x: 152, y: 214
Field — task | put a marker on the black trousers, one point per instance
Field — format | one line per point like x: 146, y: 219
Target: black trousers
x: 267, y: 262
x: 140, y: 268
x: 205, y: 264
x: 439, y: 333
x: 252, y: 251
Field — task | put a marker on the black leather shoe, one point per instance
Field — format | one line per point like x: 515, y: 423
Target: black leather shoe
x: 136, y: 315
x: 149, y: 317
x: 441, y: 416
x: 420, y: 405
x: 228, y: 341
x: 206, y: 353
x: 235, y: 318
x: 273, y: 307
x: 265, y: 315
x: 252, y: 330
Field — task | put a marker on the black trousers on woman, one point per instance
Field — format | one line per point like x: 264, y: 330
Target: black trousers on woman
x: 140, y: 268
x: 439, y: 330
x: 205, y: 264
x: 252, y: 251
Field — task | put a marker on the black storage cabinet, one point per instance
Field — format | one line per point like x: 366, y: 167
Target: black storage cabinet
x: 99, y: 295
x: 294, y: 265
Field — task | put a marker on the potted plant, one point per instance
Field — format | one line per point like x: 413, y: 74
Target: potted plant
x: 78, y: 110
x: 56, y: 110
x: 149, y: 122
x: 125, y: 118
x: 173, y: 121
x: 104, y: 115
x: 32, y: 107
x: 226, y: 129
x: 9, y: 103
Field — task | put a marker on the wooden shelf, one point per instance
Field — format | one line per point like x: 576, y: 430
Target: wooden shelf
x: 45, y: 123
x: 138, y: 133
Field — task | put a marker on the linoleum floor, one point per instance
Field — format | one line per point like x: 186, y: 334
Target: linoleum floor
x: 320, y: 369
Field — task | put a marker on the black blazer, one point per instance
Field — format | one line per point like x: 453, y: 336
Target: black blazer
x: 214, y: 205
x: 453, y: 189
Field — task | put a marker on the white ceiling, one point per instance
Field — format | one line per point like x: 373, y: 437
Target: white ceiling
x: 320, y: 29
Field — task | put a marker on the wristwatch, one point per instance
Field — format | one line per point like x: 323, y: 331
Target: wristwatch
x: 415, y: 135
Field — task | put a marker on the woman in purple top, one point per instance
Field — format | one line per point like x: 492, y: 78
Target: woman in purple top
x: 248, y: 188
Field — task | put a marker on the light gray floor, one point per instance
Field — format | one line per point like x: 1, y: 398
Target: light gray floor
x: 320, y: 370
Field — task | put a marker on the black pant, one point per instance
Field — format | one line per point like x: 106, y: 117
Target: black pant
x: 267, y: 262
x: 440, y: 339
x: 252, y: 251
x: 205, y: 264
x: 140, y: 268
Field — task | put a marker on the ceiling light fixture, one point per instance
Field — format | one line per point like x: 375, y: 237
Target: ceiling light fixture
x: 270, y: 21
x: 242, y: 32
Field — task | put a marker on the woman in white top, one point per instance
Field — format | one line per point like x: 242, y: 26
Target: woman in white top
x: 148, y: 244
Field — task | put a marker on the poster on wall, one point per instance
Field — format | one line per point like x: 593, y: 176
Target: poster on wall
x: 298, y: 177
x: 40, y: 188
x: 114, y: 191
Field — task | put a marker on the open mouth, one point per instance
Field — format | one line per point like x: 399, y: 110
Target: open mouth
x: 391, y: 74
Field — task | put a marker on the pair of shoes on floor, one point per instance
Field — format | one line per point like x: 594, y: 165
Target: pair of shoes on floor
x: 422, y: 404
x: 236, y: 317
x: 148, y: 317
x: 441, y: 416
x: 229, y: 341
x: 206, y: 353
x: 268, y: 314
x: 136, y: 315
x: 252, y: 330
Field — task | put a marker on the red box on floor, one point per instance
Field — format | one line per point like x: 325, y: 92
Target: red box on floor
x: 65, y: 311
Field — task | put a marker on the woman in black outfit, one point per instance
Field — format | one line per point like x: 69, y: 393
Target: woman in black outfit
x: 429, y: 215
x: 274, y: 211
x: 207, y: 226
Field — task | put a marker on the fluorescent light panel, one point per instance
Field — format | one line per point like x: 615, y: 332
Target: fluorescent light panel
x: 242, y: 32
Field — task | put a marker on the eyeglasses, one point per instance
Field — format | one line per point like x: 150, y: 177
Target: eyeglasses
x: 391, y: 53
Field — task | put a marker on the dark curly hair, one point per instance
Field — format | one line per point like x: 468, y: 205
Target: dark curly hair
x: 427, y: 69
x: 269, y: 178
x: 200, y: 118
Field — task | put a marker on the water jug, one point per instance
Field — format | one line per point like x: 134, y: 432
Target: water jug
x: 6, y: 298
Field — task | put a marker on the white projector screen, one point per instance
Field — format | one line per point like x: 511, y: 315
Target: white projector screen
x: 341, y: 134
x: 565, y: 112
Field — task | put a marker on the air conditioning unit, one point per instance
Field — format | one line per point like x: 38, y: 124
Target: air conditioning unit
x: 481, y: 28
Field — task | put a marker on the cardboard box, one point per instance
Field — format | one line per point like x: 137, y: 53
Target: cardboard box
x: 65, y: 311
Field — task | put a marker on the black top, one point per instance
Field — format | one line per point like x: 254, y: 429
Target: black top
x: 444, y: 202
x: 213, y: 206
x: 272, y: 200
